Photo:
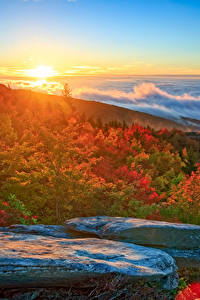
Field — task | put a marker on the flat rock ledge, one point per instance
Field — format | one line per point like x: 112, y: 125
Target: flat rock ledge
x: 57, y: 231
x: 39, y: 261
x: 137, y: 231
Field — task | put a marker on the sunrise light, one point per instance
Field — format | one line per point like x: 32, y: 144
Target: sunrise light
x: 100, y: 136
x: 41, y: 72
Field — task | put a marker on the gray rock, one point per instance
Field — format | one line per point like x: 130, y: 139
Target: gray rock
x: 185, y: 258
x: 44, y: 230
x: 37, y: 261
x: 138, y: 231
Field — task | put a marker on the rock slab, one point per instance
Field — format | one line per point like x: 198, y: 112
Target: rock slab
x: 138, y: 231
x: 35, y: 261
x: 57, y: 231
x: 185, y: 258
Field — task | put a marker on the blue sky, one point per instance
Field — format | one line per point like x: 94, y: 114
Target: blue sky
x: 113, y: 36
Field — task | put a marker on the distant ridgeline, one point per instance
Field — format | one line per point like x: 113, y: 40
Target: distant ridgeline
x: 62, y: 157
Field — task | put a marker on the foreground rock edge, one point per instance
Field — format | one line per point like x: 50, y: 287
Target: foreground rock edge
x: 57, y: 231
x: 35, y: 261
x: 183, y: 257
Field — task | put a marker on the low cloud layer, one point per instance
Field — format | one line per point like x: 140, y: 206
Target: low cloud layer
x: 161, y: 99
x: 50, y: 87
x: 146, y: 97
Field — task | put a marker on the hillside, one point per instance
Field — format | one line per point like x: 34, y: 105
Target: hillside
x: 111, y: 113
x: 54, y: 164
x: 90, y: 109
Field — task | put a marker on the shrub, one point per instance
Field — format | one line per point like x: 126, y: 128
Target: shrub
x: 13, y: 211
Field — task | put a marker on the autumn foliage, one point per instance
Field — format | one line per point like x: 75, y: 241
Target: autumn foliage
x: 54, y: 165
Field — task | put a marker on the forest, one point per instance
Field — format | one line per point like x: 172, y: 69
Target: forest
x: 56, y: 164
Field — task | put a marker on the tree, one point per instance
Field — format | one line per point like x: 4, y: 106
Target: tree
x: 67, y: 93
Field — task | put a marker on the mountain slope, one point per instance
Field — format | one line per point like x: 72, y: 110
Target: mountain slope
x: 50, y: 106
x: 110, y: 113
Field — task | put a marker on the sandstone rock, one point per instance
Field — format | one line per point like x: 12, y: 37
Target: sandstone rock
x: 37, y: 261
x: 44, y: 230
x: 138, y: 231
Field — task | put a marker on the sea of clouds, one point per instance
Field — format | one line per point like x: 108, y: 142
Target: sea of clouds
x: 163, y: 96
x: 170, y: 98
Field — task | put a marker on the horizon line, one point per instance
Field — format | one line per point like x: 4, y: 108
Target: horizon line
x: 9, y: 77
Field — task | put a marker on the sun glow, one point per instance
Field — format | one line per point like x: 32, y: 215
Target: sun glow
x: 41, y: 72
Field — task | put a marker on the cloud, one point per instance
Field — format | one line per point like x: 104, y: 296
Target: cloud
x: 50, y: 87
x: 141, y: 91
x: 85, y: 70
x: 10, y: 72
x: 146, y: 89
x: 86, y: 67
x: 146, y: 97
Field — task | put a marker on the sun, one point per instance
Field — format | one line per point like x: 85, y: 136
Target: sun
x: 41, y: 72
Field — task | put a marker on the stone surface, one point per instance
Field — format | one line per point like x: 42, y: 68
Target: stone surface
x: 138, y: 231
x: 57, y: 231
x: 35, y: 261
x: 185, y: 258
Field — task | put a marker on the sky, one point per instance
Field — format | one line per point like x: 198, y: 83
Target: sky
x: 99, y: 37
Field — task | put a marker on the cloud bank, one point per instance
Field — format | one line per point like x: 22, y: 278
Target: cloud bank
x: 146, y: 97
